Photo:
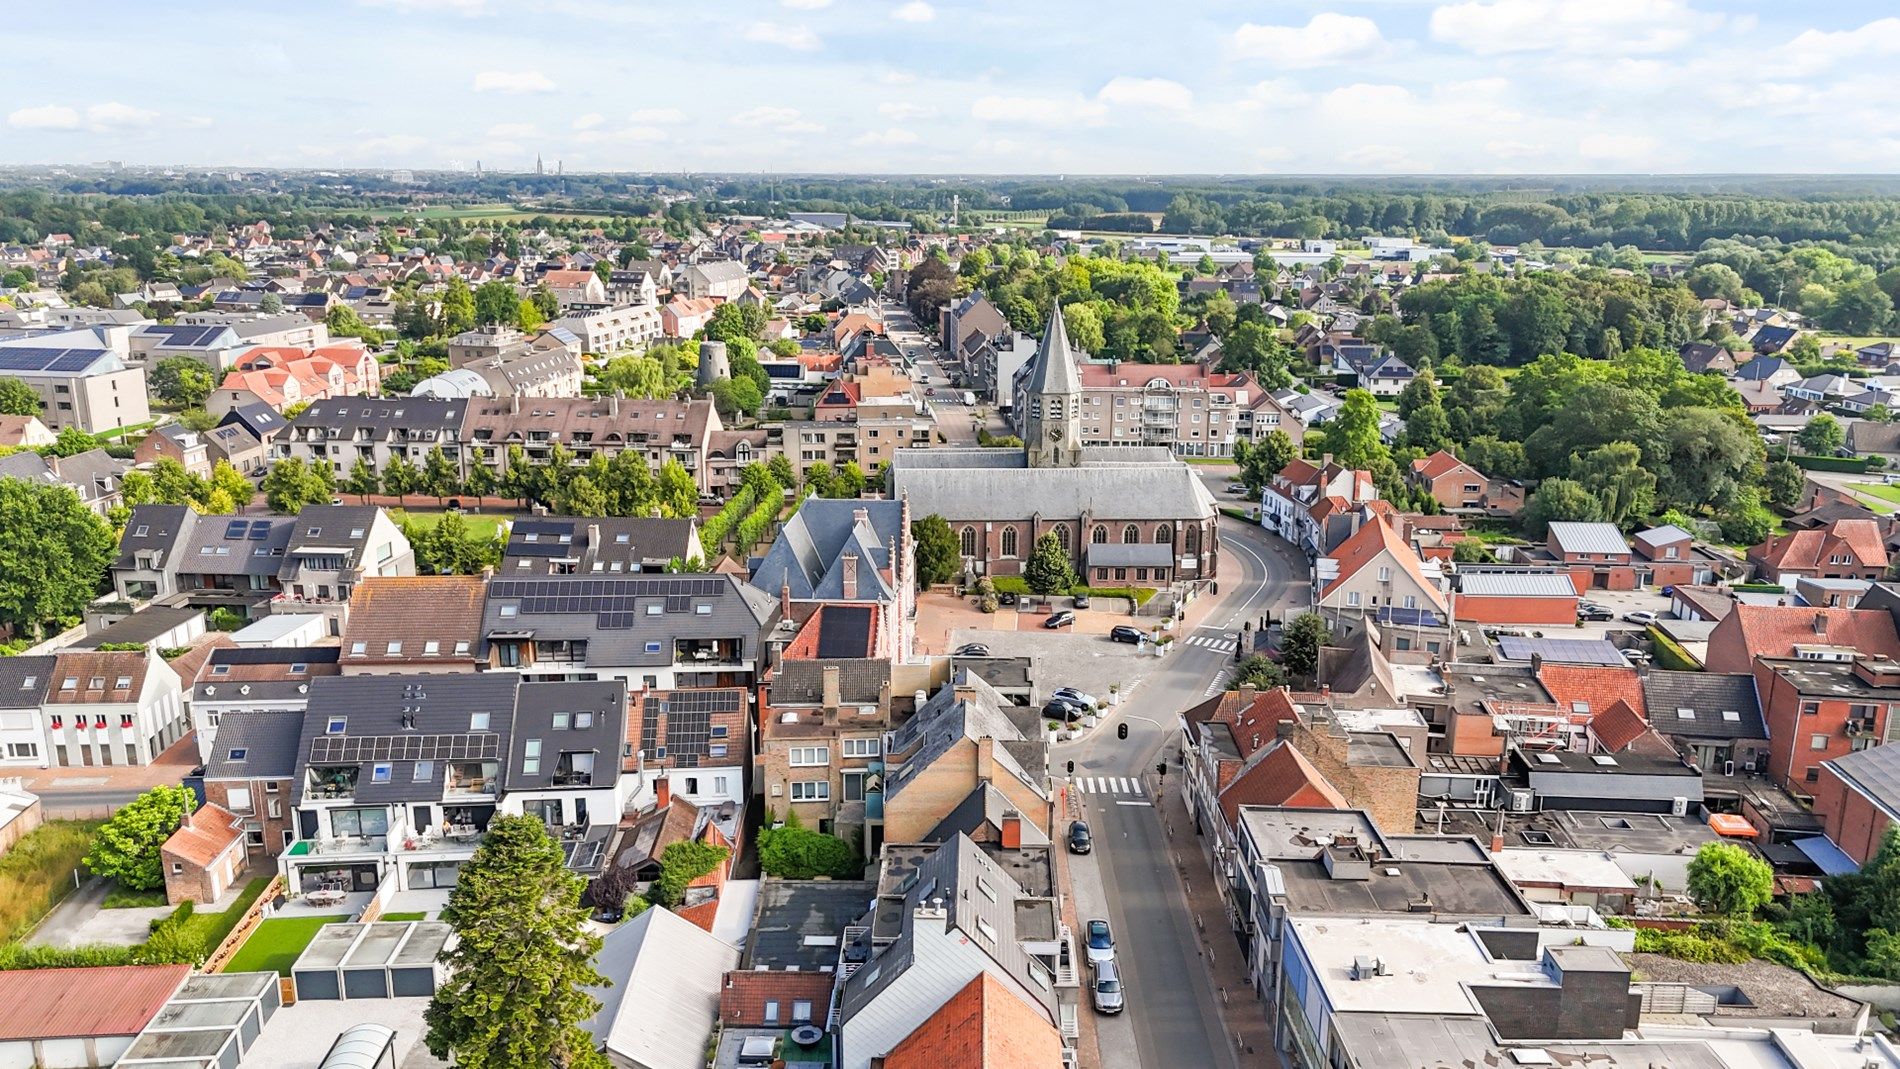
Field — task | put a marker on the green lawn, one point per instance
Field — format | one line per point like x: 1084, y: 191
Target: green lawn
x: 1880, y: 490
x: 482, y: 526
x: 213, y: 927
x: 405, y: 916
x: 274, y: 946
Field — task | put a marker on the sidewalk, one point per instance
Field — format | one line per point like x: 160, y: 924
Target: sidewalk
x: 1088, y: 1054
x: 92, y: 784
x: 1245, y: 1016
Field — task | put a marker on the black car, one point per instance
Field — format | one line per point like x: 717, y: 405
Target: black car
x: 1065, y: 618
x: 1076, y: 707
x: 1080, y: 841
x: 972, y: 649
x: 1591, y: 611
x: 1124, y: 633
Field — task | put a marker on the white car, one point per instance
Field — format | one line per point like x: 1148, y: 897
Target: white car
x: 1076, y: 697
x: 1642, y: 616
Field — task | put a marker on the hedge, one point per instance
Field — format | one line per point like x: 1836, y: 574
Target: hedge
x: 1857, y: 465
x: 1017, y: 585
x: 1671, y: 655
x: 1758, y: 588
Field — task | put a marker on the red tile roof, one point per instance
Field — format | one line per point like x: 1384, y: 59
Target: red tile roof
x: 1599, y: 687
x: 1775, y: 630
x: 1369, y: 544
x: 986, y: 1025
x: 208, y: 834
x: 1812, y: 548
x: 1618, y: 726
x: 1280, y: 776
x: 742, y: 1001
x: 1438, y: 464
x: 109, y: 1000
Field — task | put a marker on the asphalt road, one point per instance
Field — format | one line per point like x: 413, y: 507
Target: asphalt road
x: 1173, y: 1018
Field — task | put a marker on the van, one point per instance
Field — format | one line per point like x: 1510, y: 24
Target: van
x: 969, y: 399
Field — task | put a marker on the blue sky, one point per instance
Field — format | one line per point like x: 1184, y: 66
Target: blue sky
x: 995, y: 86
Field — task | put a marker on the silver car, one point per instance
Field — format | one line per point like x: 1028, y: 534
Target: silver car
x: 1107, y: 987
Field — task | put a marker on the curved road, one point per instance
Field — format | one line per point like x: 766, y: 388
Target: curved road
x: 1173, y: 1017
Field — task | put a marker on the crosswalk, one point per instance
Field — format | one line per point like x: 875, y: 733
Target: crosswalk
x: 1106, y: 785
x: 1222, y: 641
x: 1217, y: 684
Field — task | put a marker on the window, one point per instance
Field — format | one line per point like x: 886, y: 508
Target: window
x: 379, y: 772
x: 1061, y: 531
x: 178, y: 868
x: 531, y: 759
x: 424, y: 770
x: 431, y: 648
x: 862, y: 747
x: 1009, y: 541
x: 1164, y: 534
x: 276, y: 808
x: 1191, y: 539
x: 461, y: 647
x: 808, y: 756
x: 811, y: 791
x: 237, y: 753
x: 1352, y: 597
x: 1818, y: 742
x: 357, y: 649
x: 1099, y: 536
x: 719, y: 731
x: 238, y: 799
x: 653, y: 647
x: 478, y: 721
x: 771, y: 1011
x: 1385, y: 574
x: 560, y: 721
x: 29, y: 750
x: 336, y: 725
x: 395, y: 648
x: 966, y: 542
x: 1810, y: 708
x: 801, y: 1011
x: 1131, y: 534
x: 583, y: 720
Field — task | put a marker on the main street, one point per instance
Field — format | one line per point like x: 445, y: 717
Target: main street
x: 1173, y: 1015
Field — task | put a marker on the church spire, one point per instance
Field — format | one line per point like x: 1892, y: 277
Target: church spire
x: 1052, y: 424
x: 1055, y: 370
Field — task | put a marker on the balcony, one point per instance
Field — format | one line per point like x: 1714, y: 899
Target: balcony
x: 708, y: 652
x: 472, y: 780
x: 574, y: 769
x: 331, y: 781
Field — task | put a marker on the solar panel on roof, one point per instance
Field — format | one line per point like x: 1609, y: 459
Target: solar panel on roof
x: 236, y: 528
x: 260, y: 529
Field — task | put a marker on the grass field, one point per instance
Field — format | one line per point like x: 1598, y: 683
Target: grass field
x: 275, y: 944
x: 479, y: 525
x: 405, y: 916
x: 38, y: 871
x: 1882, y: 491
x: 213, y: 927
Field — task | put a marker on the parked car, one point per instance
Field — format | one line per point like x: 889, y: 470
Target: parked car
x: 1063, y: 711
x: 1101, y: 942
x: 1080, y: 840
x: 1641, y: 616
x: 1587, y: 610
x: 609, y: 914
x: 1070, y: 703
x: 1081, y: 601
x: 1238, y: 491
x: 1107, y: 987
x: 1124, y: 633
x: 971, y: 649
x: 1065, y: 618
x: 1070, y: 694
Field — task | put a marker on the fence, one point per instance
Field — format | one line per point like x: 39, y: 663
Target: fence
x: 378, y: 902
x: 244, y: 927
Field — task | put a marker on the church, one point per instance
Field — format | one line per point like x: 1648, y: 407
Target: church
x: 1127, y: 516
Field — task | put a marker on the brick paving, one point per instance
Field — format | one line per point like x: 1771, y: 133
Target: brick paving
x: 1243, y: 1013
x: 171, y: 768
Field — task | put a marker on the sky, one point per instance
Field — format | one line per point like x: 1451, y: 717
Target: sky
x: 960, y: 86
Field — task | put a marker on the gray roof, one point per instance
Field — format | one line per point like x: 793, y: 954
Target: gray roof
x: 1516, y: 583
x: 629, y: 541
x: 1874, y: 773
x: 673, y: 969
x: 984, y: 806
x: 791, y: 910
x: 155, y: 527
x: 1662, y: 536
x: 23, y: 681
x: 27, y: 465
x: 387, y: 717
x: 537, y: 706
x: 860, y: 681
x: 965, y: 484
x: 329, y: 526
x: 621, y: 617
x: 256, y: 746
x: 975, y: 712
x: 222, y: 545
x: 1053, y: 370
x: 145, y: 625
x: 808, y: 554
x: 1724, y: 706
x: 1587, y: 537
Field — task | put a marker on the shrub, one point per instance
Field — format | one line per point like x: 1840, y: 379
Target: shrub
x: 796, y: 853
x: 680, y: 864
x: 1671, y: 655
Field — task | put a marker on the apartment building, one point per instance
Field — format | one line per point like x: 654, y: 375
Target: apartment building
x: 91, y: 388
x: 266, y: 680
x: 112, y: 708
x: 614, y: 329
x: 1191, y: 409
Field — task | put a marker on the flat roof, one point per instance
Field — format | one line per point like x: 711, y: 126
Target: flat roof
x: 1380, y: 748
x: 1773, y: 990
x: 1575, y: 870
x: 1423, y: 966
x: 1587, y: 651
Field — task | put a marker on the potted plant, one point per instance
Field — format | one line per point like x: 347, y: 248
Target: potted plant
x: 1114, y: 694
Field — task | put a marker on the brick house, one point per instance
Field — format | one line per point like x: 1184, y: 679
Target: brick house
x: 1857, y: 799
x: 1593, y: 543
x: 1818, y: 710
x: 1457, y: 486
x: 822, y: 739
x: 1375, y: 569
x: 1751, y: 631
x: 1844, y: 549
x: 248, y: 773
x: 964, y: 739
x: 205, y: 857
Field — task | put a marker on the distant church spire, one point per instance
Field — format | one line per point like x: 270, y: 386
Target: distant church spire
x: 1052, y: 427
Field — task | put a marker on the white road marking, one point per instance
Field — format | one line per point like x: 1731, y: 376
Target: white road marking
x: 1260, y: 588
x: 1126, y: 802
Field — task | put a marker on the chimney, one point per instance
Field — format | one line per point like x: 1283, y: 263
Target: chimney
x: 514, y: 403
x: 662, y: 793
x: 1537, y: 663
x: 851, y: 576
x: 1497, y: 842
x: 1282, y: 729
x: 1326, y: 460
x: 613, y: 404
x: 985, y: 759
x: 860, y: 516
x: 1248, y: 693
x: 833, y: 693
x: 186, y: 823
x: 593, y: 537
x: 785, y: 601
x: 1012, y: 831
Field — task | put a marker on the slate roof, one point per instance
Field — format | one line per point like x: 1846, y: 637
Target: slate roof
x: 808, y: 554
x: 155, y: 527
x: 373, y: 708
x: 1054, y: 371
x: 1720, y: 705
x: 1874, y: 773
x: 951, y: 716
x: 620, y: 617
x: 997, y: 484
x: 23, y: 680
x: 596, y: 544
x: 256, y: 746
x: 539, y: 710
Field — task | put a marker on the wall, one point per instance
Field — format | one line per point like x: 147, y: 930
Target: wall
x: 1852, y: 822
x: 1507, y: 610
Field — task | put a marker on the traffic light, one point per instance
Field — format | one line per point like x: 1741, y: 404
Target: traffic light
x: 1071, y: 768
x: 1121, y: 730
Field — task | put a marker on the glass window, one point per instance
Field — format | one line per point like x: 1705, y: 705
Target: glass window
x: 379, y: 773
x: 424, y: 770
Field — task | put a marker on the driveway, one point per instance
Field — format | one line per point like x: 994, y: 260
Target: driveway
x: 83, y: 920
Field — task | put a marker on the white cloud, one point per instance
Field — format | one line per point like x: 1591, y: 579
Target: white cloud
x: 796, y: 38
x: 589, y: 120
x: 513, y: 130
x: 1126, y: 92
x: 1611, y: 27
x: 513, y: 82
x: 46, y: 117
x: 1381, y: 158
x: 657, y: 116
x: 901, y: 111
x: 897, y: 77
x: 1327, y: 38
x: 784, y: 120
x: 198, y: 122
x: 892, y: 136
x: 915, y: 11
x: 623, y: 135
x: 1815, y: 50
x: 806, y: 5
x: 1038, y: 111
x: 115, y: 117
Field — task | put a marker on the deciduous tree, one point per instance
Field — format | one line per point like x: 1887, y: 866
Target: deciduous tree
x: 938, y: 557
x: 1726, y: 879
x: 126, y: 848
x: 1049, y: 570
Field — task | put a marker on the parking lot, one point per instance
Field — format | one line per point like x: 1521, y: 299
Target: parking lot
x: 1088, y: 662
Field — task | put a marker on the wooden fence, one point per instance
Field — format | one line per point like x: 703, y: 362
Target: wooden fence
x: 244, y: 927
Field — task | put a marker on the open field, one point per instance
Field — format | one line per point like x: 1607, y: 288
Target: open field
x: 483, y: 526
x: 38, y: 871
x: 505, y: 213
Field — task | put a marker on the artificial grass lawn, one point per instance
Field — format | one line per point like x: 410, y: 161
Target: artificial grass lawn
x: 274, y: 946
x: 213, y: 927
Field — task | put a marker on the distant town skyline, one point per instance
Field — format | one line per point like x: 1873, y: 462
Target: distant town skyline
x: 961, y: 86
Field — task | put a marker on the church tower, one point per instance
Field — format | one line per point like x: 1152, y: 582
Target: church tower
x: 1052, y: 398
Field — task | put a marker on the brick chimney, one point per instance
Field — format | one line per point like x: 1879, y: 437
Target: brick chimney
x: 833, y: 695
x: 662, y: 793
x: 850, y: 562
x: 1820, y: 624
x: 1012, y: 831
x: 785, y: 601
x: 985, y: 759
